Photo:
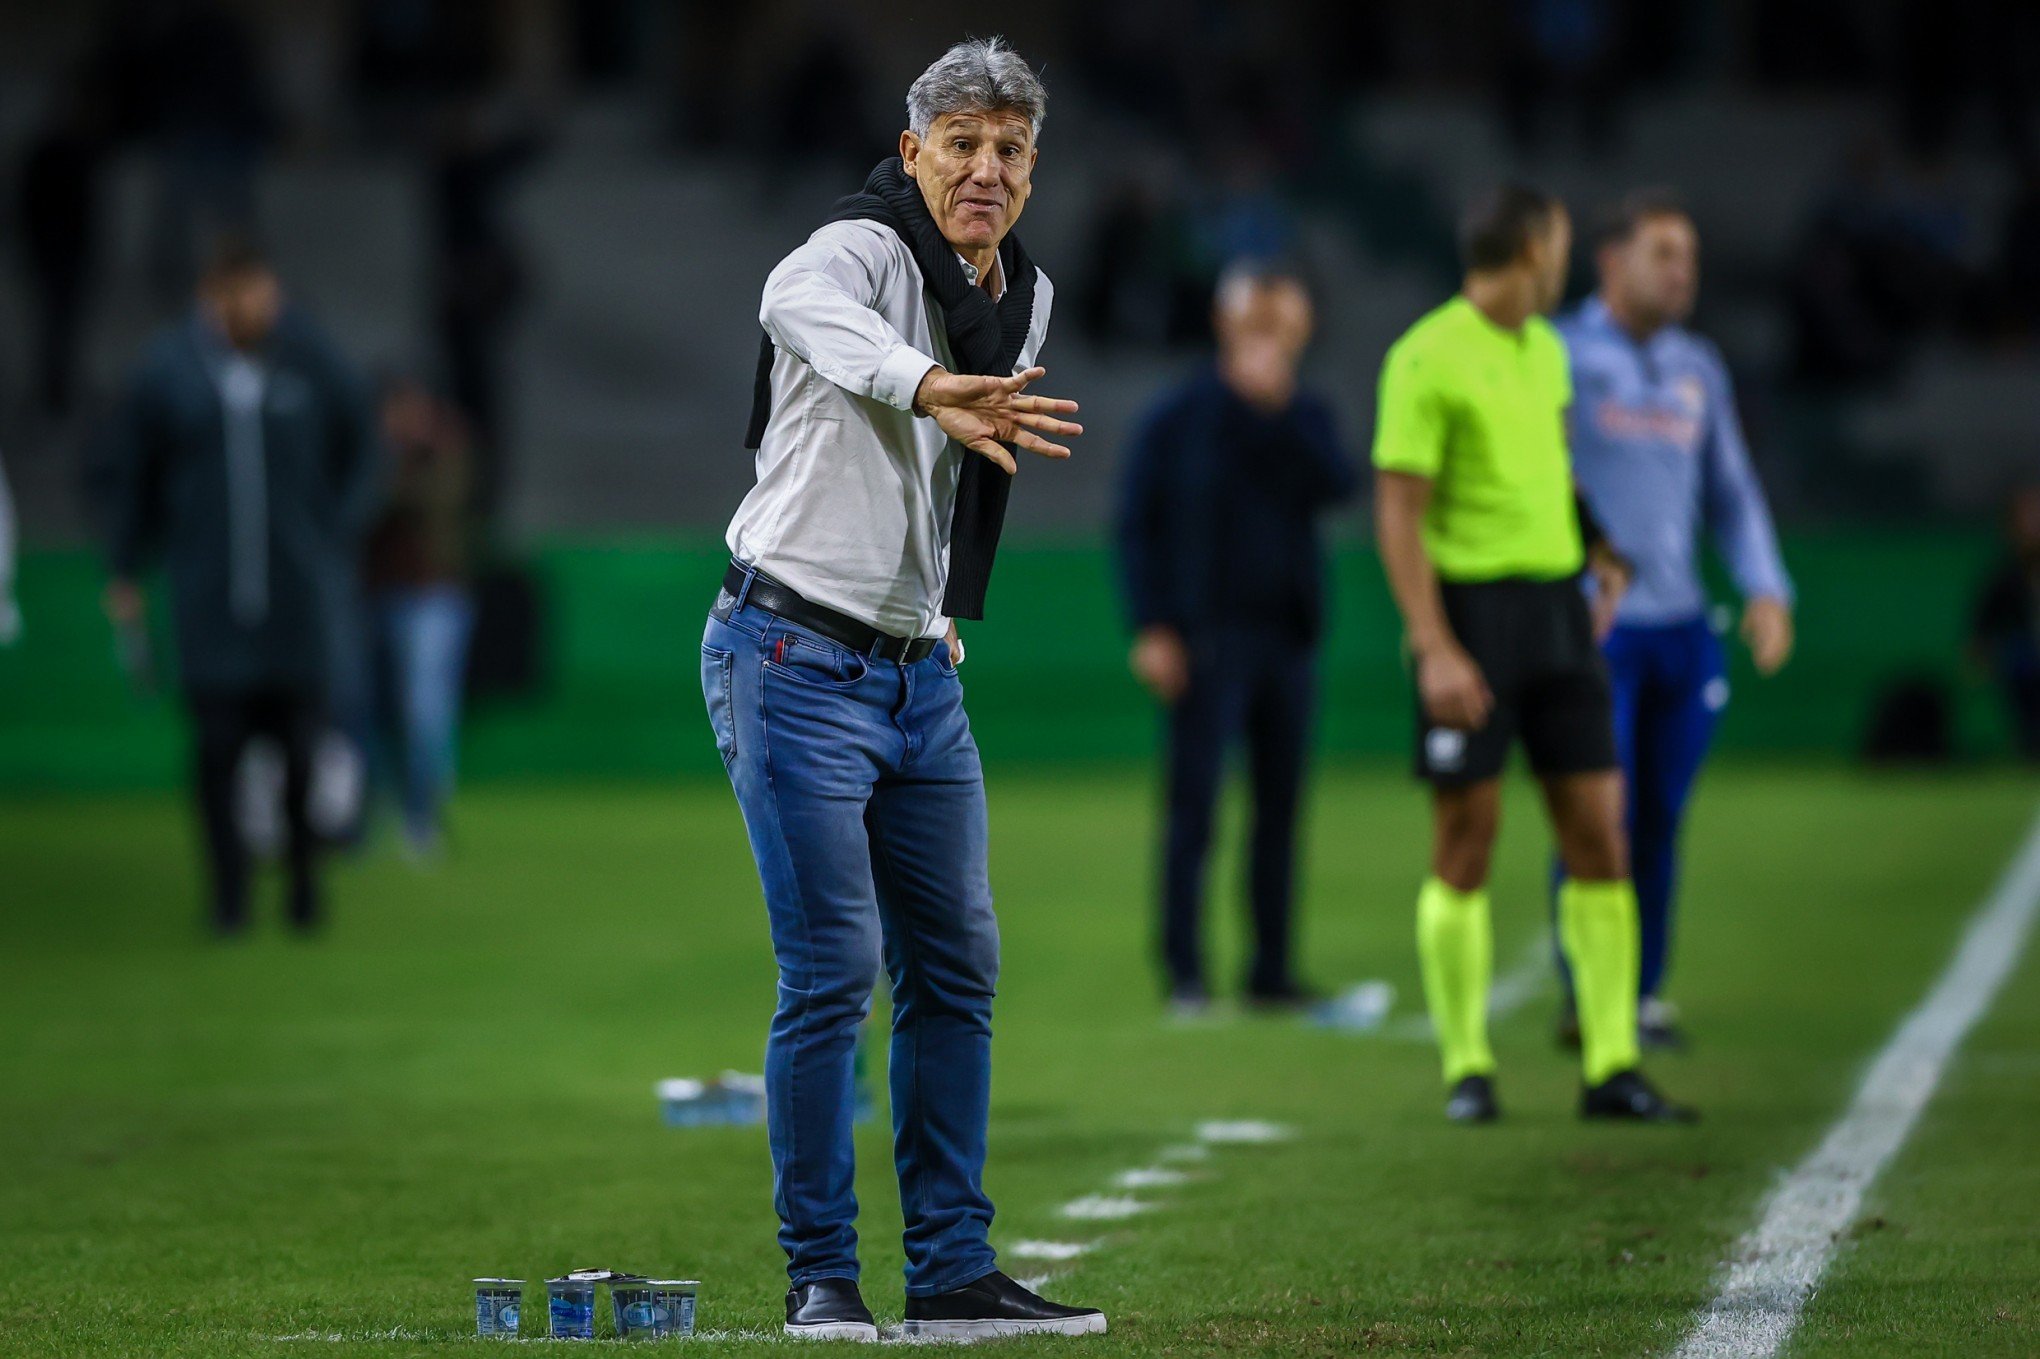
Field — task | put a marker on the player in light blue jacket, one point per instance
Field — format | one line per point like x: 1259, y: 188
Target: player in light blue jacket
x: 1658, y: 452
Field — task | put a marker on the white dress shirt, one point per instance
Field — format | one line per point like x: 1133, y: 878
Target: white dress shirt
x: 854, y: 491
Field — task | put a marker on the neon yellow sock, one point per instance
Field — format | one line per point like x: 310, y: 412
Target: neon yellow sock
x: 1598, y: 928
x: 1456, y: 945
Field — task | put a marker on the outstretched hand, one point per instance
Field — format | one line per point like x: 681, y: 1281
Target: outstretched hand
x: 986, y: 413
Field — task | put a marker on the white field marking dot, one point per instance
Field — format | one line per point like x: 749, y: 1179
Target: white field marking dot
x: 1243, y: 1130
x: 1149, y: 1177
x: 1779, y: 1263
x: 1104, y: 1207
x: 1048, y: 1250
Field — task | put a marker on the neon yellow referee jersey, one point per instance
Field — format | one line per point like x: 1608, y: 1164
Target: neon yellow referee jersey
x: 1481, y: 411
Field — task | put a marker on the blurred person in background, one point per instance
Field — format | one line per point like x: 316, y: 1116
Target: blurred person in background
x: 10, y: 608
x: 2004, y: 628
x: 1484, y: 540
x: 1658, y: 451
x: 190, y: 77
x: 1223, y: 573
x: 829, y: 668
x: 479, y: 266
x: 242, y: 460
x: 417, y: 571
x: 59, y: 200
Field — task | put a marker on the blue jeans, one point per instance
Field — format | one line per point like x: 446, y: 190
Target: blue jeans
x: 862, y: 792
x: 423, y: 635
x: 1671, y: 684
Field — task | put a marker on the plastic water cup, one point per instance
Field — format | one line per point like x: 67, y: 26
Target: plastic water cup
x: 570, y: 1308
x: 673, y: 1305
x: 637, y: 1317
x: 647, y: 1309
x: 497, y: 1303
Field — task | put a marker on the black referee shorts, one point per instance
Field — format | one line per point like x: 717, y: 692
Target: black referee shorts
x: 1534, y: 641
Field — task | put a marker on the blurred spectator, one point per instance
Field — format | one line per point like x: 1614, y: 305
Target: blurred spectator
x: 411, y: 55
x: 1223, y: 574
x: 10, y: 609
x: 241, y: 458
x: 1562, y: 58
x: 418, y: 567
x: 59, y: 206
x: 479, y: 266
x: 190, y: 74
x: 702, y: 82
x: 1811, y: 42
x: 827, y: 71
x: 1889, y: 255
x: 1142, y: 282
x: 2004, y: 629
x: 1955, y: 57
x: 2017, y: 284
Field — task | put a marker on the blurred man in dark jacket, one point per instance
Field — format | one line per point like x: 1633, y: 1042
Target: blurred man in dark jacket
x: 241, y: 460
x: 2004, y: 623
x: 1224, y: 577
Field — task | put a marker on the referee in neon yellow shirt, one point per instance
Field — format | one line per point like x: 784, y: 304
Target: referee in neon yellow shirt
x: 1480, y: 532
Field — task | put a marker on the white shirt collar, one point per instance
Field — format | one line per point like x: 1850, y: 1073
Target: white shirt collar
x: 997, y: 286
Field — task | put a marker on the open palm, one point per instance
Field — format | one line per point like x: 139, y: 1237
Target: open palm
x: 984, y: 414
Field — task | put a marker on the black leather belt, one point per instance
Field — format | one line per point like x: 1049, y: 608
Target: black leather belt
x: 862, y: 638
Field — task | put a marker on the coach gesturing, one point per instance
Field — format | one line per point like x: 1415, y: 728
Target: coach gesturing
x: 900, y: 340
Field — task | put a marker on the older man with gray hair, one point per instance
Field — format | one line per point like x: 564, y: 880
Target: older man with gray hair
x: 892, y: 390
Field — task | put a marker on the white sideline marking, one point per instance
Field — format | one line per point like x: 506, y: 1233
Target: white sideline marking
x: 1243, y: 1130
x: 1529, y: 977
x: 360, y: 1337
x: 1048, y: 1250
x: 1184, y: 1151
x: 1777, y: 1265
x: 1104, y: 1207
x: 1149, y: 1177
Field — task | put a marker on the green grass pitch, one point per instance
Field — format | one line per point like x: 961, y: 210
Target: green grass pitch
x: 286, y: 1148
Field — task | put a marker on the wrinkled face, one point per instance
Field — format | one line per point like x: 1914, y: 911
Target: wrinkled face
x: 975, y: 170
x: 1655, y: 273
x: 245, y: 304
x: 1550, y: 254
x: 1274, y: 312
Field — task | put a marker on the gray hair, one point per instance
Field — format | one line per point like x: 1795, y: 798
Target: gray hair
x: 979, y: 73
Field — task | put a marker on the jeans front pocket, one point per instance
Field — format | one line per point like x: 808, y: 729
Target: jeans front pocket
x: 717, y: 666
x: 813, y: 661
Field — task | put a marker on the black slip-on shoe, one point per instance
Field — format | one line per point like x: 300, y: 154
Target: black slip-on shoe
x: 829, y: 1309
x: 1627, y: 1097
x: 1473, y: 1101
x: 995, y: 1306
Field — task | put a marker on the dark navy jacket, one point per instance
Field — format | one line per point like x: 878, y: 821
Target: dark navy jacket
x: 256, y: 546
x: 1218, y: 512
